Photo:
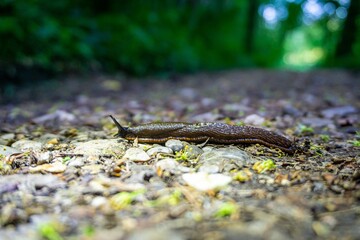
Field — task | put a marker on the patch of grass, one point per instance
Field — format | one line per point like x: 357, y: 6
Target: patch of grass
x: 243, y: 176
x: 240, y: 123
x: 66, y: 159
x: 124, y: 199
x: 88, y: 231
x: 50, y: 231
x: 325, y: 138
x: 263, y: 166
x: 172, y: 199
x: 303, y: 129
x: 226, y: 209
x: 183, y: 154
x: 355, y: 143
x: 317, y: 149
x: 4, y: 168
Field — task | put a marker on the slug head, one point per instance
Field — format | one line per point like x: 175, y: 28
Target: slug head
x: 122, y: 131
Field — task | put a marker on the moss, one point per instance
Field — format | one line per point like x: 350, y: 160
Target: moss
x: 226, y: 209
x: 263, y: 166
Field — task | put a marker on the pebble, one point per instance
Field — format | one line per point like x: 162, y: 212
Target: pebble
x: 98, y: 201
x: 192, y: 151
x: 159, y: 149
x: 140, y: 173
x: 56, y: 167
x: 188, y: 93
x: 100, y: 147
x: 254, y: 119
x: 45, y: 157
x: 206, y: 182
x: 7, y: 151
x: 26, y: 145
x: 136, y: 155
x: 91, y: 169
x: 174, y: 144
x: 58, y: 115
x: 7, y: 138
x: 155, y: 234
x: 77, y: 162
x: 236, y: 108
x: 223, y: 159
x: 209, y: 169
x: 49, y: 137
x: 32, y: 182
x: 291, y: 110
x: 167, y: 164
x: 338, y: 111
x: 321, y: 230
x: 336, y: 189
x: 207, y: 117
x: 318, y: 122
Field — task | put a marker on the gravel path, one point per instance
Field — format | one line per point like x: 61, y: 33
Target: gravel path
x: 63, y: 174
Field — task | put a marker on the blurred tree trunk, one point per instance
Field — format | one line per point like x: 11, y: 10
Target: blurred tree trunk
x: 348, y: 35
x: 253, y: 6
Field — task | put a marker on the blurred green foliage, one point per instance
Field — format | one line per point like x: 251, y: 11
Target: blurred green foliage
x: 147, y: 37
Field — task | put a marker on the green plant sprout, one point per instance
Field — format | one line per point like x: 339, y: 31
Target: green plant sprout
x: 263, y: 166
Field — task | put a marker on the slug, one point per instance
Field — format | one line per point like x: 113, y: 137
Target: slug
x: 220, y: 133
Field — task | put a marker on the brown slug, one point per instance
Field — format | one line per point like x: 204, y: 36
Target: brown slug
x: 200, y: 132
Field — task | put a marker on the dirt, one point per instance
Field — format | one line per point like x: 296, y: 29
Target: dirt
x: 66, y: 186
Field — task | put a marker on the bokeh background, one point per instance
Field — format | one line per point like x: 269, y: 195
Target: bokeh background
x: 161, y: 37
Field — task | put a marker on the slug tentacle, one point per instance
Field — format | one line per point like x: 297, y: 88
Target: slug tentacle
x: 122, y: 131
x: 220, y: 133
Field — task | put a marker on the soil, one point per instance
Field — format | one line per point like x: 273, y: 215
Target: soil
x: 65, y: 176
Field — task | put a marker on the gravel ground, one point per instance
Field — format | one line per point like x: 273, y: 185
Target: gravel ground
x: 63, y: 174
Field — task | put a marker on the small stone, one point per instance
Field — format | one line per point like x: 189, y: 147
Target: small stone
x: 209, y: 169
x: 207, y: 117
x: 100, y: 147
x: 336, y: 188
x: 291, y: 110
x: 322, y: 230
x: 338, y: 111
x: 207, y: 148
x: 25, y: 145
x: 140, y: 173
x: 254, y: 119
x: 206, y: 182
x: 7, y: 151
x: 155, y: 234
x: 225, y: 159
x: 192, y: 151
x: 318, y: 122
x: 7, y: 138
x: 77, y: 162
x: 136, y: 155
x: 58, y: 115
x: 159, y: 149
x: 174, y: 144
x: 188, y: 93
x: 49, y: 138
x: 53, y: 141
x: 167, y: 164
x: 91, y: 169
x: 98, y: 201
x: 45, y: 157
x: 56, y: 167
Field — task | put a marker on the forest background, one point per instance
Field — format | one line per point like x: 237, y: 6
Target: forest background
x: 40, y: 37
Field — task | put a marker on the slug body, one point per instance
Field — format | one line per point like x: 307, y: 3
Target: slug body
x: 200, y: 132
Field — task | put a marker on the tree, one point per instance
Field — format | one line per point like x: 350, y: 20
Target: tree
x: 348, y: 36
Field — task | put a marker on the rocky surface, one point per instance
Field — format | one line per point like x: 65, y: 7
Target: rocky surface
x: 64, y: 175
